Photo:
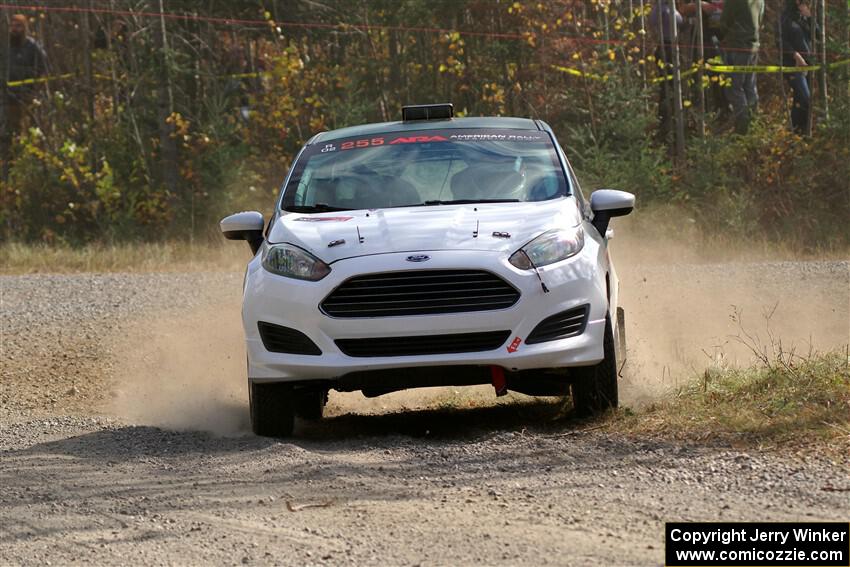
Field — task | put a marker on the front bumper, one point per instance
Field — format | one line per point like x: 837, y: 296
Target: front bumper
x: 295, y: 304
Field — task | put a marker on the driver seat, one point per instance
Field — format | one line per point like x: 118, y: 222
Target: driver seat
x: 488, y: 181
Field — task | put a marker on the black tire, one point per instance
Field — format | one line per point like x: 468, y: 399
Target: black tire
x: 310, y: 403
x: 272, y: 409
x: 595, y: 387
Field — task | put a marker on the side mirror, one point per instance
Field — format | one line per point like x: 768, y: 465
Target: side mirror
x: 244, y: 226
x: 608, y: 203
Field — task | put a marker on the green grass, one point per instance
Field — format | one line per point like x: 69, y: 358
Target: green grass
x: 788, y: 400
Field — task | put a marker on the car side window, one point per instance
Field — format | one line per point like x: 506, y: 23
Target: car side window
x: 303, y: 185
x: 583, y: 204
x: 576, y: 187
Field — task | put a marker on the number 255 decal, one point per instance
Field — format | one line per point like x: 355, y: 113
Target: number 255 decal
x: 362, y: 143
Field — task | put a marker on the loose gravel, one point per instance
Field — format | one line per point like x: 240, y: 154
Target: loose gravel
x: 57, y: 331
x: 514, y: 484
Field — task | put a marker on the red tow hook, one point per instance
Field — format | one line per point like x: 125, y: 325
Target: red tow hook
x: 500, y: 383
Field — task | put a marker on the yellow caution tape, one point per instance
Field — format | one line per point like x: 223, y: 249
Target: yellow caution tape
x: 708, y: 66
x: 38, y: 80
x: 714, y: 67
x: 569, y: 70
x: 683, y: 74
x: 760, y: 68
x: 579, y: 73
x: 244, y: 75
x: 772, y: 68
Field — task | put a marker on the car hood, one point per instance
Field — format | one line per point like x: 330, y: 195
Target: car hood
x: 413, y: 229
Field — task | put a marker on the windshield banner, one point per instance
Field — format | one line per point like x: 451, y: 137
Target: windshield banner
x: 432, y: 136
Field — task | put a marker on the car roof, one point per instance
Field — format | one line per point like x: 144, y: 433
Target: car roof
x: 416, y: 125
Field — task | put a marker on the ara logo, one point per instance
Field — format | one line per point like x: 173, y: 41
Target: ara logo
x: 418, y: 258
x: 419, y: 139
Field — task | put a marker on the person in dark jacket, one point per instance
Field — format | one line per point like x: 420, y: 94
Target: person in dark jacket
x: 661, y: 25
x: 712, y: 12
x: 740, y: 25
x: 27, y: 60
x: 795, y: 34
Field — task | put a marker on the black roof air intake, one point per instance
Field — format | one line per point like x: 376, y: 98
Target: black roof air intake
x: 441, y: 111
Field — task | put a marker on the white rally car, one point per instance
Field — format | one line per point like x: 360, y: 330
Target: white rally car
x: 428, y: 252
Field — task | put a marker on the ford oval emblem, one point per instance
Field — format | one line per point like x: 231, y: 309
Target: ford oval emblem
x: 418, y: 258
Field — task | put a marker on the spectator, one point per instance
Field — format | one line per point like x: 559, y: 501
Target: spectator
x: 661, y: 24
x: 26, y: 61
x: 711, y: 15
x: 712, y: 12
x: 740, y: 25
x: 795, y: 34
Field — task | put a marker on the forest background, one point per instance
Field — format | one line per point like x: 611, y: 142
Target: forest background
x: 160, y: 117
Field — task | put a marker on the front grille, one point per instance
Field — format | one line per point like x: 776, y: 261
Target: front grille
x: 419, y: 292
x: 283, y: 339
x: 560, y: 326
x: 428, y: 344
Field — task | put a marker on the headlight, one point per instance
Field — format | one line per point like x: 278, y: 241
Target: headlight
x: 292, y: 262
x: 548, y: 248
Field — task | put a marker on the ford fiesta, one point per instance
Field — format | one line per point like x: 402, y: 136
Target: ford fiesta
x: 428, y: 252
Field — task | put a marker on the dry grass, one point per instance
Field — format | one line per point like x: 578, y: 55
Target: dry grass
x: 660, y: 234
x: 790, y: 401
x: 18, y: 258
x: 669, y: 234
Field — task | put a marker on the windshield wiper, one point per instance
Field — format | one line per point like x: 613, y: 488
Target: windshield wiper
x: 317, y: 208
x: 470, y: 201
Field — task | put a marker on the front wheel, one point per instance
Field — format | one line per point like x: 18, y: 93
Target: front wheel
x: 272, y: 409
x: 310, y: 403
x: 595, y: 387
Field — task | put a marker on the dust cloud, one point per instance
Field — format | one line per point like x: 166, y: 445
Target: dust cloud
x: 693, y: 303
x: 184, y: 372
x: 187, y: 372
x: 686, y: 310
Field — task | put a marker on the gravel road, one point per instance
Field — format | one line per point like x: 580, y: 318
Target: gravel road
x: 123, y: 436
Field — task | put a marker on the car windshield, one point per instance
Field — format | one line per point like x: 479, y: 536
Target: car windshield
x: 422, y: 168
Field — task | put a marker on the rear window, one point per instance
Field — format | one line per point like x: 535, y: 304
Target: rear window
x: 426, y: 167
